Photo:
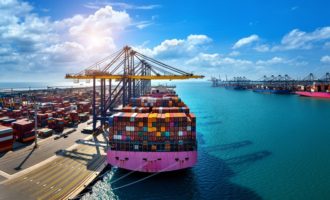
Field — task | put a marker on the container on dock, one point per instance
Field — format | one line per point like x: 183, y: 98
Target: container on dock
x: 74, y: 116
x: 83, y: 106
x: 59, y: 124
x: 83, y: 117
x: 42, y: 119
x: 8, y: 122
x: 16, y: 114
x: 3, y: 119
x: 45, y: 132
x: 6, y: 138
x: 28, y: 136
x: 21, y: 127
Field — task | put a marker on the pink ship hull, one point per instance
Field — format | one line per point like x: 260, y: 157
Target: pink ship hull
x: 152, y: 161
x: 314, y: 94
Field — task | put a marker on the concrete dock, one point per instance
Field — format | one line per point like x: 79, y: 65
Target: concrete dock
x: 51, y: 172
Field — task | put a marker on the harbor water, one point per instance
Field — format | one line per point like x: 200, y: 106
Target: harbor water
x: 251, y: 146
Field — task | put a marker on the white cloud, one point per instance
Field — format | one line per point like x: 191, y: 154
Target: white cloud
x: 64, y: 52
x: 294, y: 8
x: 245, y: 41
x: 143, y: 24
x: 31, y: 42
x: 190, y: 54
x: 177, y: 48
x: 211, y: 64
x: 11, y: 10
x: 216, y: 59
x: 327, y: 45
x: 274, y: 60
x: 297, y: 39
x: 97, y: 32
x: 280, y: 60
x: 234, y: 53
x: 120, y: 5
x: 325, y: 59
x: 262, y: 48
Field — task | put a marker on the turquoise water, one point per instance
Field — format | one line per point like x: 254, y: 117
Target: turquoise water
x: 251, y: 146
x: 291, y: 132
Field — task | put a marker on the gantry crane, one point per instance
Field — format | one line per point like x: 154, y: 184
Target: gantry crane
x: 133, y: 73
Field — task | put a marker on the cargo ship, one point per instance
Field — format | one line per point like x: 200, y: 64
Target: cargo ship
x: 154, y: 133
x: 235, y: 87
x: 272, y: 91
x: 315, y: 91
x: 314, y: 94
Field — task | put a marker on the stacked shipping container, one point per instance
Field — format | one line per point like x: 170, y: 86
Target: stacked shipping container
x: 157, y: 102
x: 22, y: 130
x: 6, y: 138
x: 153, y: 124
x: 56, y: 110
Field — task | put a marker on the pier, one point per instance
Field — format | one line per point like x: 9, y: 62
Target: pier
x: 280, y: 82
x: 53, y: 171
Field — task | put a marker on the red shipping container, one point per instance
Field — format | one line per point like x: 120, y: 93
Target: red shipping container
x: 6, y: 138
x: 21, y: 127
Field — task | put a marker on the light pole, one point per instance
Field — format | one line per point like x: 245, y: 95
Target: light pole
x: 35, y: 124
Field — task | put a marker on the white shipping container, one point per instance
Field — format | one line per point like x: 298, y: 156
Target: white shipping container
x: 10, y: 137
x: 4, y: 130
x: 129, y: 128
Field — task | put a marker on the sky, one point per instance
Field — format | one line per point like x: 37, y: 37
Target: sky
x: 42, y: 40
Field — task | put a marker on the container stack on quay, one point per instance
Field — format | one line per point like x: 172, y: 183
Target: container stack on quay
x: 45, y: 132
x: 153, y: 123
x: 83, y: 117
x: 57, y: 124
x: 7, y: 121
x: 23, y: 130
x: 56, y: 110
x: 73, y: 117
x: 6, y: 138
x: 83, y: 107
